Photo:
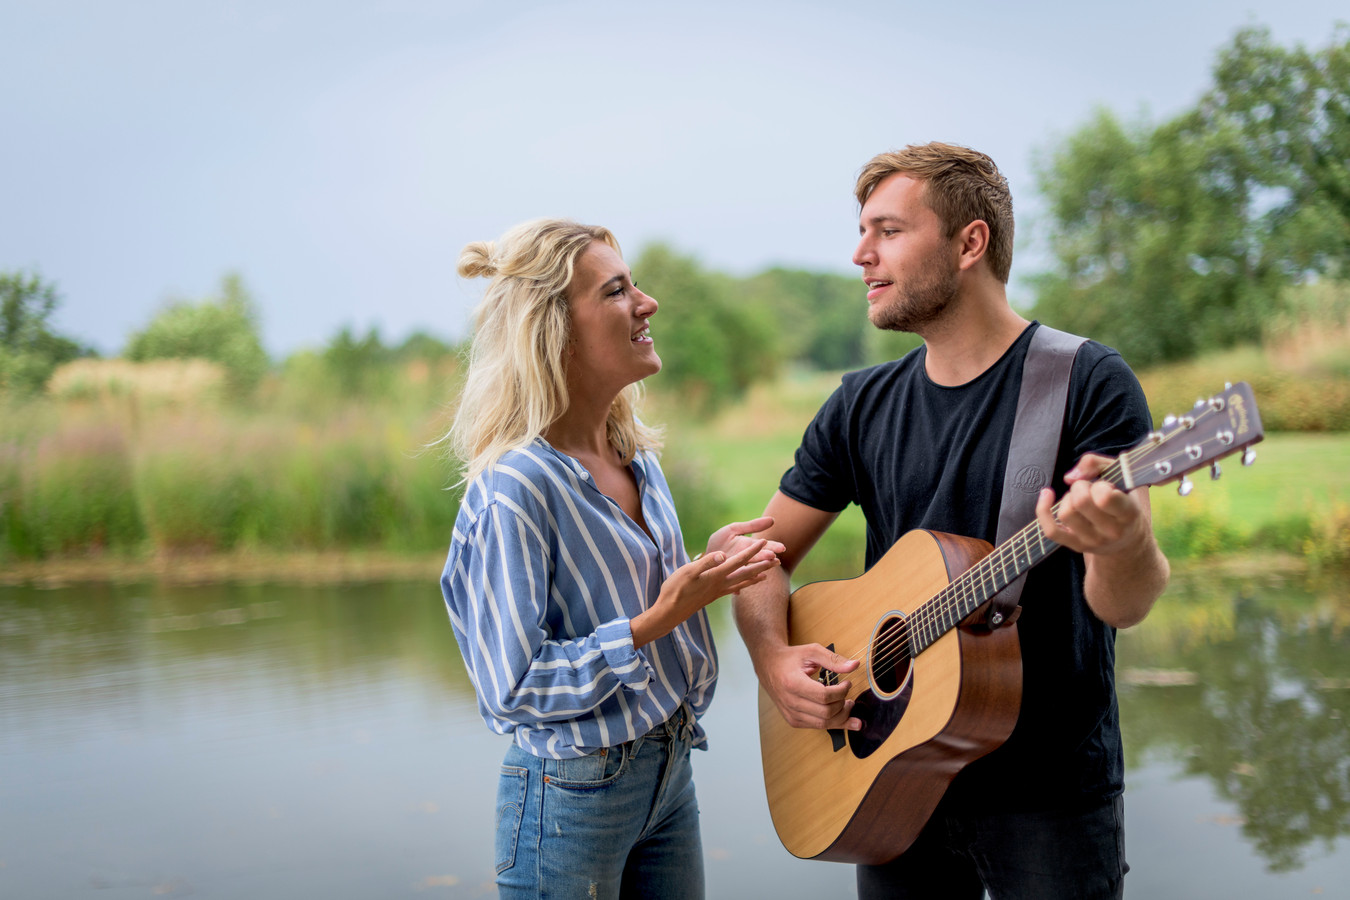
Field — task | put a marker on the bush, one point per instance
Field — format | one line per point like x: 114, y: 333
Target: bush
x: 1327, y: 547
x: 224, y: 330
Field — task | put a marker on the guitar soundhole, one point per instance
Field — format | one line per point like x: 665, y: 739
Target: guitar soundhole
x: 890, y: 656
x: 882, y: 707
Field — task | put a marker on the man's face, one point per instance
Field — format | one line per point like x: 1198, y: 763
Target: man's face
x: 909, y: 266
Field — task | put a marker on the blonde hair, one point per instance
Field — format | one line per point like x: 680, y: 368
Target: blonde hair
x: 960, y: 184
x: 516, y: 386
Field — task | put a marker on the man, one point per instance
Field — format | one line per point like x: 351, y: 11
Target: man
x: 921, y: 442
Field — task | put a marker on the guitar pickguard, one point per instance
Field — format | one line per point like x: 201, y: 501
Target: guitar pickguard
x: 879, y: 717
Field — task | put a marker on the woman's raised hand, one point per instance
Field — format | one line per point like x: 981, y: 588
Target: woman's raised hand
x: 734, y: 560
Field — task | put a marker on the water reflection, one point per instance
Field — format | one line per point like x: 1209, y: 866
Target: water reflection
x: 269, y: 741
x: 1253, y: 695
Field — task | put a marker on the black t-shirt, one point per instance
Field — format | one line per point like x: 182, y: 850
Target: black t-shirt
x: 915, y: 454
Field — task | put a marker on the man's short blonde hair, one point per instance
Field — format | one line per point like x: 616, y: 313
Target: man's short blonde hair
x: 960, y: 184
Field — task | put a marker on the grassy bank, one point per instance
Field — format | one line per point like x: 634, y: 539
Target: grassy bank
x: 137, y: 485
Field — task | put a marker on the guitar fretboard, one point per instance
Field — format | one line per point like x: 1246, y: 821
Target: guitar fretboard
x: 1009, y: 561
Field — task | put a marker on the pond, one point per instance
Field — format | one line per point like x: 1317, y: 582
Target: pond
x: 279, y: 741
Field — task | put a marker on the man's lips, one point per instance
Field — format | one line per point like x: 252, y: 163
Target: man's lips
x: 875, y: 287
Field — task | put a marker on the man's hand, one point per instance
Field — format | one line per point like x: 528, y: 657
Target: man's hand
x: 792, y: 682
x: 1094, y: 516
x: 1126, y: 572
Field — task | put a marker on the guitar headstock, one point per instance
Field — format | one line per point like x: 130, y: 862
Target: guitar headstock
x: 1224, y: 424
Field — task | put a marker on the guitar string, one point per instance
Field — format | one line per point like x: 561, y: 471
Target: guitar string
x: 931, y: 615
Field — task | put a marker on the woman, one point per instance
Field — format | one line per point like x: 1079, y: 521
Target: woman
x: 579, y: 615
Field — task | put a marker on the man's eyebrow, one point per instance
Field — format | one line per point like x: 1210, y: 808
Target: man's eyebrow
x: 877, y: 220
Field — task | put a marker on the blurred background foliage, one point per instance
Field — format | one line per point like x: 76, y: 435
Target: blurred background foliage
x: 1211, y: 246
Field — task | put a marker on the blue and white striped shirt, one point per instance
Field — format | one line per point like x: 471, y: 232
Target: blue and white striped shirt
x: 543, y: 575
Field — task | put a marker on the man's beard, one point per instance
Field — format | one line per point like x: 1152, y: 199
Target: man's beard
x: 920, y: 302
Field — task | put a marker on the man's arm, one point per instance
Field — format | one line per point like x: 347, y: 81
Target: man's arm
x: 1126, y: 570
x: 788, y: 673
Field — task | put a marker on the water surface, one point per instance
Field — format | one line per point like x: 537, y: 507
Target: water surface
x: 262, y: 741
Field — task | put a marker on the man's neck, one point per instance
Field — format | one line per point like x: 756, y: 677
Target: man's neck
x: 974, y: 336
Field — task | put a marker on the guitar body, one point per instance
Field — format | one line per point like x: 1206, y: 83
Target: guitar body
x: 864, y: 796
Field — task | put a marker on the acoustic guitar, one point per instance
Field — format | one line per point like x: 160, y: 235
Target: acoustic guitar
x: 937, y: 688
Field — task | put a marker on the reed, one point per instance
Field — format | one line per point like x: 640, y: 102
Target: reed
x: 134, y: 460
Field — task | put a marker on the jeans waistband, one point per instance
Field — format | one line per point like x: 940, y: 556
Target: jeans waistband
x: 679, y: 726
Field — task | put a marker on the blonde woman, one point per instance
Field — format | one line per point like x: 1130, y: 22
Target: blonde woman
x: 579, y: 615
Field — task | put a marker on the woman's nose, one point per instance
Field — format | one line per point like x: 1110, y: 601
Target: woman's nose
x: 647, y: 305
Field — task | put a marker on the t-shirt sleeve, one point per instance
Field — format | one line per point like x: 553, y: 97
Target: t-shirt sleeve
x: 822, y: 470
x: 1111, y: 413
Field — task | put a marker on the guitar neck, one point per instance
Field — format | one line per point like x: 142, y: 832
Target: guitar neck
x: 1004, y: 565
x: 1214, y: 428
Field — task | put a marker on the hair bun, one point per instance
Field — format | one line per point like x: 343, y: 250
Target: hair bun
x: 476, y: 260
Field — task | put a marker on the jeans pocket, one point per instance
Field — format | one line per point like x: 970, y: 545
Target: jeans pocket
x: 510, y: 810
x: 588, y: 772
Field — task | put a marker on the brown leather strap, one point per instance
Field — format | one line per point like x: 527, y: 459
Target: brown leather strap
x: 1034, y: 445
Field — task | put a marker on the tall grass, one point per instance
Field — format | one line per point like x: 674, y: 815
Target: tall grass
x: 121, y: 473
x: 133, y: 462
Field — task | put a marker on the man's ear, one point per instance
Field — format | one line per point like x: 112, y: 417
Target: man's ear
x: 972, y: 243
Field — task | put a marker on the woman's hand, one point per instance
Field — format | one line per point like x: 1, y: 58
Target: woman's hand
x: 734, y: 560
x: 732, y: 538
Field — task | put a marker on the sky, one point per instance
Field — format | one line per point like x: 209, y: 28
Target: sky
x: 338, y: 155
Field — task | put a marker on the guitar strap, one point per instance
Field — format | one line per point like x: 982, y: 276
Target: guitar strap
x: 1034, y: 446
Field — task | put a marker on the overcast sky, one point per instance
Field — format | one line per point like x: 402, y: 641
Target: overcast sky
x: 338, y: 155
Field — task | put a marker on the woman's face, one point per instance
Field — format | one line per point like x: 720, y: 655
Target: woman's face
x: 611, y: 347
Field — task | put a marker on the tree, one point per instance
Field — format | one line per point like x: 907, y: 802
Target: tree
x: 223, y: 329
x: 829, y: 325
x: 1153, y: 249
x: 29, y: 350
x: 712, y: 346
x: 1178, y: 238
x: 1291, y: 109
x: 359, y: 366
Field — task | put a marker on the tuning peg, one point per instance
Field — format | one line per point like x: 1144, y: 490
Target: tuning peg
x: 1248, y: 456
x: 1185, y: 486
x: 1215, y: 471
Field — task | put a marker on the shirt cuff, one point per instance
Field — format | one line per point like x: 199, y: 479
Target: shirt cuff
x: 616, y: 643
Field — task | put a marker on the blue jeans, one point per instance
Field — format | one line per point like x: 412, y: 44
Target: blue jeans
x: 1045, y: 855
x: 619, y: 823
